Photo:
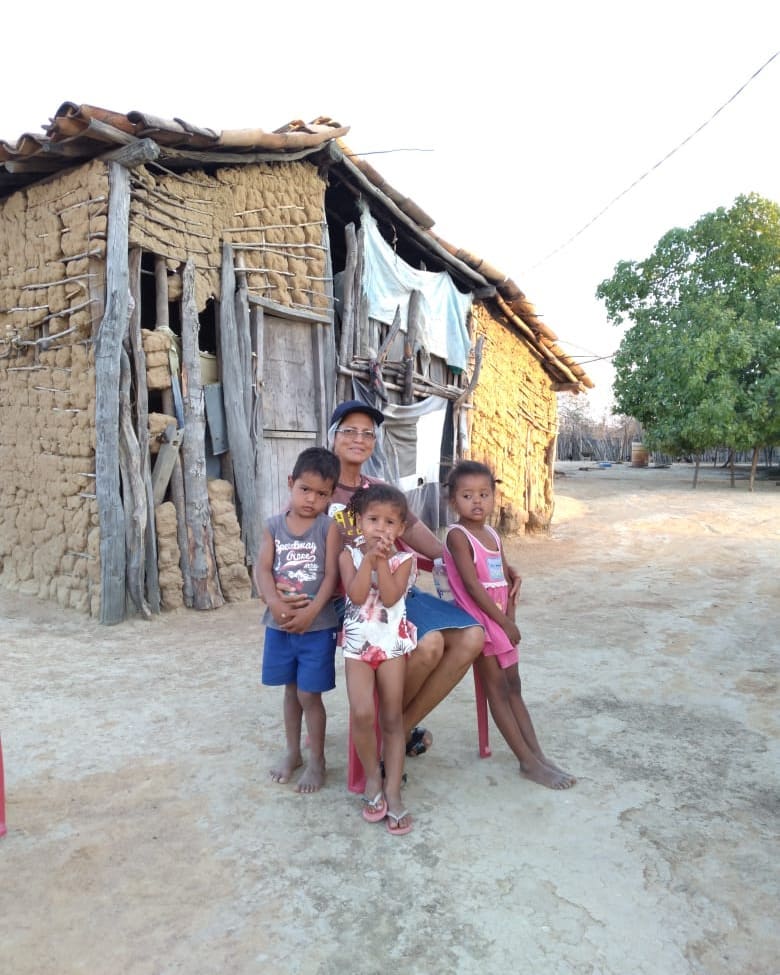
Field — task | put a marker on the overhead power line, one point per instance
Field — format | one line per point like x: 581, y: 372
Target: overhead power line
x: 659, y: 163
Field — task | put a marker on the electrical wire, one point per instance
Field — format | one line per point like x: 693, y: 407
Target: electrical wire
x: 653, y: 168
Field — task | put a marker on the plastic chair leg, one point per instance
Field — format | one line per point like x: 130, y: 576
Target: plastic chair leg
x: 2, y: 794
x: 482, y: 716
x: 356, y: 776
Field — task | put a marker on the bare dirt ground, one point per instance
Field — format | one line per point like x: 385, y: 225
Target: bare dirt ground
x: 145, y: 837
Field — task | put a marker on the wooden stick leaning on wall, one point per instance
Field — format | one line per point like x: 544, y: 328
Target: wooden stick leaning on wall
x: 206, y: 590
x: 133, y: 494
x: 410, y: 346
x: 347, y: 310
x: 375, y: 366
x: 459, y: 423
x: 329, y: 343
x: 107, y: 480
x: 360, y: 333
x: 237, y: 422
x: 151, y: 572
x: 177, y: 475
x: 257, y: 327
x: 244, y: 341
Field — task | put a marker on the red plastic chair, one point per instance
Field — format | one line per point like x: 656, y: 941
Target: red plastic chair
x: 356, y: 777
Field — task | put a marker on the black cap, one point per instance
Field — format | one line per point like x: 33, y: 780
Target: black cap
x: 355, y: 406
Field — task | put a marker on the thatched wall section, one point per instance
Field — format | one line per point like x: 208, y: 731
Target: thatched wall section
x: 513, y: 426
x: 273, y: 215
x: 52, y: 281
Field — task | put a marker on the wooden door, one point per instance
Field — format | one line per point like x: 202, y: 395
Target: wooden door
x: 292, y: 392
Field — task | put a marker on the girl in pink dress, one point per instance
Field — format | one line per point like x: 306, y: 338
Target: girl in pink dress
x: 376, y: 639
x: 479, y: 576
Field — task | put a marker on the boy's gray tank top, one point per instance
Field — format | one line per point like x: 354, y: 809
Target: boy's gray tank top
x: 300, y: 561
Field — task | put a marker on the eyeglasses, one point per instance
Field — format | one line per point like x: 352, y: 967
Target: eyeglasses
x: 352, y: 433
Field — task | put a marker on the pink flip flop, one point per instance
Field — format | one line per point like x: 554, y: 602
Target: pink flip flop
x: 374, y: 810
x: 398, y: 830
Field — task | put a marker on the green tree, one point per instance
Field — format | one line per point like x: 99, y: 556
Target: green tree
x: 699, y: 365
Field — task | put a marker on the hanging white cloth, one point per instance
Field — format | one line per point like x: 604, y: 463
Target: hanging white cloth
x: 389, y: 281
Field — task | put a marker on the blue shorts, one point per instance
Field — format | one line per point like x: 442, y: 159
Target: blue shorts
x: 305, y: 659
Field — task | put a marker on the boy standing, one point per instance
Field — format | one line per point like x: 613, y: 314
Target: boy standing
x: 299, y: 553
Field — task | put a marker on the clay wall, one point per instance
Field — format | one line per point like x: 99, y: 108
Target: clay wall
x: 273, y: 215
x: 52, y: 293
x: 513, y: 426
x: 52, y: 242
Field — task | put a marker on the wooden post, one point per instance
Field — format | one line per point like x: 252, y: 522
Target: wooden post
x: 133, y: 491
x: 347, y: 309
x: 360, y: 333
x: 151, y: 571
x: 235, y: 415
x: 206, y: 590
x: 108, y: 347
x: 161, y: 293
x: 410, y: 346
x: 244, y: 342
x: 257, y: 426
x: 178, y: 501
x: 162, y: 314
x: 329, y: 340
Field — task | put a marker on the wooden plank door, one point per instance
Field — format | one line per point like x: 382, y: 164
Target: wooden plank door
x: 293, y: 401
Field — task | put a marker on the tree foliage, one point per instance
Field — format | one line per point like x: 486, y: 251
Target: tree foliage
x: 699, y: 365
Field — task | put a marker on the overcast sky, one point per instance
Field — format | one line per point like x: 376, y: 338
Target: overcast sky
x: 511, y: 127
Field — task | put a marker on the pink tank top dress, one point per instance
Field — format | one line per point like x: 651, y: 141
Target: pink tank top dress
x: 490, y: 572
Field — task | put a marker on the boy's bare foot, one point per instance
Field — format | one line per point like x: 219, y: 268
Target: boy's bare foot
x: 538, y: 772
x: 313, y: 777
x: 285, y: 767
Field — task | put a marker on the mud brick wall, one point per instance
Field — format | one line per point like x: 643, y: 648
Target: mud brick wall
x: 513, y: 426
x: 272, y: 214
x: 52, y: 242
x: 228, y: 547
x: 171, y: 582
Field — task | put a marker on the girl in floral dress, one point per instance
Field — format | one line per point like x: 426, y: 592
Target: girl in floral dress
x: 376, y: 639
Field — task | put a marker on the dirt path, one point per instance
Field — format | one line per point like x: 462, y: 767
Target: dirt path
x: 144, y: 837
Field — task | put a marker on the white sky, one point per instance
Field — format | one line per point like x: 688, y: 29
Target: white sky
x: 534, y: 117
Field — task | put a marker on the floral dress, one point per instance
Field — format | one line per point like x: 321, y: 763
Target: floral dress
x: 374, y: 632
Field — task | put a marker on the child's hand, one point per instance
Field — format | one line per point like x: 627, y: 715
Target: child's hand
x: 515, y: 581
x: 511, y: 630
x: 299, y: 621
x: 377, y: 548
x: 281, y: 612
x: 293, y: 600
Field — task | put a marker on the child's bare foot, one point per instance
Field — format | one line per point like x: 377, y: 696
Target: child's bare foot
x: 313, y: 777
x: 538, y: 772
x: 556, y: 768
x: 285, y: 767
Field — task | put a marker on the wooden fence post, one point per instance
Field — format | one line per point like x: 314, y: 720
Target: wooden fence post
x: 237, y: 421
x: 206, y: 590
x: 108, y: 348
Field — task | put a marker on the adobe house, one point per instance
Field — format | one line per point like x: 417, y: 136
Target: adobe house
x: 180, y: 309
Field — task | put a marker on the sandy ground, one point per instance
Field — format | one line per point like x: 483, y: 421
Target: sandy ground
x: 145, y: 837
